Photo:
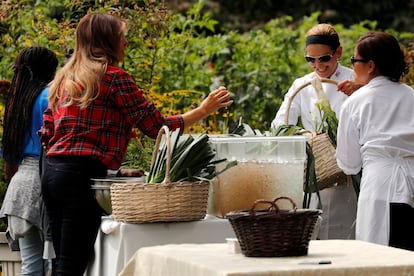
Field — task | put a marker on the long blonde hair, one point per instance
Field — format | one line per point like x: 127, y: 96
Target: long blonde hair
x: 98, y: 39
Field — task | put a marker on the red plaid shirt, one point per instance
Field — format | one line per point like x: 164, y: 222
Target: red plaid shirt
x: 104, y: 128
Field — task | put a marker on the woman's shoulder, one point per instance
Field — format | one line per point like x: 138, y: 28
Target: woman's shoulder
x: 360, y: 97
x: 112, y: 69
x: 343, y: 73
x: 117, y: 78
x: 43, y: 95
x: 114, y: 72
x: 302, y: 80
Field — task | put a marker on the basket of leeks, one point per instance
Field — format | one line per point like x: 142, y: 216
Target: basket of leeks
x: 177, y: 186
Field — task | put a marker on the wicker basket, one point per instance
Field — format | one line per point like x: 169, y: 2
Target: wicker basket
x: 274, y: 232
x: 137, y: 202
x: 327, y: 171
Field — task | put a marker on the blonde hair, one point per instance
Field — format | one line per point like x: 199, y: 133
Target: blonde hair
x: 98, y: 39
x: 323, y: 34
x: 322, y: 29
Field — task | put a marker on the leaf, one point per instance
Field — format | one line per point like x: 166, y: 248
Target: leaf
x: 191, y: 158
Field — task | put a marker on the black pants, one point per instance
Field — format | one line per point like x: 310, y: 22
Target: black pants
x: 401, y: 226
x: 74, y: 215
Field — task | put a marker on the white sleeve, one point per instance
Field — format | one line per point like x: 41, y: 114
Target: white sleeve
x: 348, y: 149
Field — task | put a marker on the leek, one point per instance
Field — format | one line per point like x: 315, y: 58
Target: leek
x: 191, y: 159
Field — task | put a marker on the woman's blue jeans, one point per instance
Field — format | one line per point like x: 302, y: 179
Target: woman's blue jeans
x: 74, y: 214
x: 31, y: 249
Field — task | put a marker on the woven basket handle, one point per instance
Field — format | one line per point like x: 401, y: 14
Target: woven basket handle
x: 163, y: 129
x: 272, y: 208
x: 287, y: 198
x: 290, y: 100
x: 273, y: 205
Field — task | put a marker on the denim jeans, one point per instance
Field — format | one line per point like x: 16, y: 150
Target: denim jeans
x: 31, y: 249
x: 74, y: 214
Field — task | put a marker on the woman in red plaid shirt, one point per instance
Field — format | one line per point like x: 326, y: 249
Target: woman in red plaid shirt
x: 93, y: 107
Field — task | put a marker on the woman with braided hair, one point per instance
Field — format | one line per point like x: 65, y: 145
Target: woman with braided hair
x: 34, y: 68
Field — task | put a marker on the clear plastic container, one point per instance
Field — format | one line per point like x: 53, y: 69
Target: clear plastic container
x: 268, y: 167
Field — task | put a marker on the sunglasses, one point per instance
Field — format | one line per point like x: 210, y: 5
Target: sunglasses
x: 353, y: 60
x: 324, y: 58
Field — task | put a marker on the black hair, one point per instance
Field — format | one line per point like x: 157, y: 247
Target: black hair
x: 385, y: 51
x: 326, y: 39
x: 34, y: 68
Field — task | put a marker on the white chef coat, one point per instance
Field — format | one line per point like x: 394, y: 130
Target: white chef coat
x: 376, y: 133
x: 303, y: 104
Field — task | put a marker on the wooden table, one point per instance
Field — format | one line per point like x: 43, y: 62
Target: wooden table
x: 325, y: 258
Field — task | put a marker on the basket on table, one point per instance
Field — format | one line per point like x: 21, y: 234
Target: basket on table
x: 273, y: 232
x: 138, y: 202
x: 327, y: 171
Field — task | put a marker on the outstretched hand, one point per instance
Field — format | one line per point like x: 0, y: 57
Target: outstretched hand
x: 217, y: 99
x: 348, y: 87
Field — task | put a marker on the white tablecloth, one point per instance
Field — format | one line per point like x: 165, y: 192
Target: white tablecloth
x: 114, y: 249
x: 344, y: 257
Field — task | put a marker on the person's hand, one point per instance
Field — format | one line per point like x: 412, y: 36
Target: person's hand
x: 217, y: 99
x: 9, y: 170
x: 310, y: 134
x: 130, y: 173
x: 348, y: 87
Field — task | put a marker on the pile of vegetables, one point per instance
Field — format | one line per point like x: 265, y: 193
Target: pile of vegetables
x: 191, y: 159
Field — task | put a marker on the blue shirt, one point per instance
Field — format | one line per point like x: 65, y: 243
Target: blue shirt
x: 32, y: 140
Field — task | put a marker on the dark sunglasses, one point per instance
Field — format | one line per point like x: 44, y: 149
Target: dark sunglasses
x: 353, y: 60
x: 324, y: 58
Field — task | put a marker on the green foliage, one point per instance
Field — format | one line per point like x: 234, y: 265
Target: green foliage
x: 260, y: 69
x: 138, y: 153
x: 178, y: 58
x: 247, y: 14
x: 26, y: 23
x: 3, y: 189
x: 169, y: 52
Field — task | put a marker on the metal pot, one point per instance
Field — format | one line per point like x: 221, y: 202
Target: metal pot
x: 102, y: 187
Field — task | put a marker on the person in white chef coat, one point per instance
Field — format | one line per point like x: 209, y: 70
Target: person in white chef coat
x: 376, y: 133
x: 323, y: 52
